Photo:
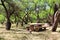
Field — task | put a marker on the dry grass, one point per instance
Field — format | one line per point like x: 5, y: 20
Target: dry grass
x: 22, y: 34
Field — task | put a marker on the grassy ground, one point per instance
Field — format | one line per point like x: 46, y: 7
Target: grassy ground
x: 22, y: 34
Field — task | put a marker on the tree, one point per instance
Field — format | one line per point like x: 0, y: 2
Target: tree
x: 56, y: 20
x: 56, y: 7
x: 9, y: 12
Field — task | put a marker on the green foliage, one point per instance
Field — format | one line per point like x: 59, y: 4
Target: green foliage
x: 45, y: 8
x: 2, y: 18
x: 12, y: 18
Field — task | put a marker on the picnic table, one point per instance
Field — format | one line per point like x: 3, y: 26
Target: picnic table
x: 36, y: 26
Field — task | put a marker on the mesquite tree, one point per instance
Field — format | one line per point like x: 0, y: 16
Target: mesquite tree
x: 56, y: 7
x: 56, y: 17
x: 56, y: 20
x: 9, y: 11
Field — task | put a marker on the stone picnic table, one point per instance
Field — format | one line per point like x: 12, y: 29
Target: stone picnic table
x: 37, y: 26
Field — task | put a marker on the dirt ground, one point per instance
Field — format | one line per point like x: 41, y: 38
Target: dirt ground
x: 22, y: 34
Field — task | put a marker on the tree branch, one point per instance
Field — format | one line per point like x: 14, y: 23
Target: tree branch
x: 4, y: 6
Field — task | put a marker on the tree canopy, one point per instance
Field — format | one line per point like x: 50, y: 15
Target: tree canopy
x: 26, y: 11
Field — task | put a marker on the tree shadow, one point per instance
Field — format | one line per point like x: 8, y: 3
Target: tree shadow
x: 2, y: 27
x: 16, y: 30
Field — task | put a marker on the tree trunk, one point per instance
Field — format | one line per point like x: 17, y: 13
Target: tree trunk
x: 38, y: 19
x: 22, y: 23
x: 8, y: 25
x: 55, y: 24
x: 56, y: 7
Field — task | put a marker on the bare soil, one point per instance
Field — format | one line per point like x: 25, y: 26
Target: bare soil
x: 17, y: 33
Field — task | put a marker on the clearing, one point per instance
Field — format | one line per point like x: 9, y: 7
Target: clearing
x: 23, y: 34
